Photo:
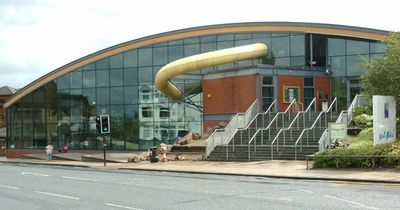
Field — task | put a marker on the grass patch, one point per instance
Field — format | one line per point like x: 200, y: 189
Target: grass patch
x: 360, y: 145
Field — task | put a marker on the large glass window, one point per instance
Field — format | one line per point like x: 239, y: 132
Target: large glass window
x: 175, y: 52
x: 89, y: 79
x: 130, y: 58
x: 280, y: 46
x: 337, y: 66
x: 76, y: 79
x: 117, y: 77
x: 353, y: 62
x: 357, y: 47
x: 336, y: 46
x: 268, y: 94
x: 160, y: 55
x: 102, y: 78
x: 145, y: 57
x: 116, y: 61
x: 130, y: 76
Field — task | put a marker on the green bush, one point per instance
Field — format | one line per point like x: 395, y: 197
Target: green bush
x: 363, y: 110
x: 362, y: 145
x: 363, y: 120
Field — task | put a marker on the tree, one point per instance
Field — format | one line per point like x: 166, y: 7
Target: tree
x: 382, y: 75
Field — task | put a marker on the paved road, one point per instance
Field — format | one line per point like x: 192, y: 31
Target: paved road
x: 41, y: 187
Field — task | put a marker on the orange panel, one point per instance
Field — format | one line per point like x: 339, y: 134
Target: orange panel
x: 228, y: 95
x: 321, y: 84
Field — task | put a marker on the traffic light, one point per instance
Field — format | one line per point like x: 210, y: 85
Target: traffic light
x: 98, y: 127
x: 105, y: 123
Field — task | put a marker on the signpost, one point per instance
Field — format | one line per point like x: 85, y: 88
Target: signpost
x: 384, y: 115
x: 337, y: 131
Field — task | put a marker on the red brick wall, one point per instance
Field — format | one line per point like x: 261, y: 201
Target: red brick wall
x: 288, y: 81
x: 228, y: 95
x: 321, y: 84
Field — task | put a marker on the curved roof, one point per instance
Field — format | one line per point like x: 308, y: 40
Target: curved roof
x: 329, y: 29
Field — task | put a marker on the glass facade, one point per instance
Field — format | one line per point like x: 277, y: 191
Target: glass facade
x: 122, y: 86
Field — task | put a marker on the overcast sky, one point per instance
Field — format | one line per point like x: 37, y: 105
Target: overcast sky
x: 38, y: 36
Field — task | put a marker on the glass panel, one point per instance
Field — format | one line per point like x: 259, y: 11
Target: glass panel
x: 145, y: 57
x: 40, y: 136
x: 27, y: 115
x: 116, y: 95
x: 192, y: 113
x: 146, y: 75
x: 267, y: 80
x: 352, y: 64
x: 224, y: 45
x: 89, y: 96
x: 130, y: 76
x: 63, y: 82
x: 208, y: 47
x: 309, y: 82
x: 308, y: 92
x: 239, y: 43
x: 175, y: 42
x: 91, y: 66
x: 195, y: 40
x: 160, y: 55
x: 357, y: 47
x: 192, y: 49
x: 339, y: 90
x: 89, y: 79
x: 376, y: 47
x: 208, y: 39
x: 130, y: 59
x: 102, y: 78
x: 76, y: 97
x: 268, y: 91
x: 76, y: 79
x: 116, y: 61
x: 226, y: 37
x: 266, y: 103
x: 131, y: 95
x: 175, y: 53
x: 280, y: 46
x: 146, y: 135
x: 103, y: 96
x: 39, y: 97
x: 103, y: 64
x: 297, y: 45
x: 336, y: 46
x: 76, y: 114
x: 298, y: 61
x: 117, y: 113
x: 282, y: 61
x: 243, y: 36
x: 117, y: 77
x: 338, y: 66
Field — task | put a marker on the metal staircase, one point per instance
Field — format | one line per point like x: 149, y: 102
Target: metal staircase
x: 284, y: 135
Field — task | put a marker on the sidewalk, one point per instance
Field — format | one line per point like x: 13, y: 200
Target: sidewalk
x: 275, y: 168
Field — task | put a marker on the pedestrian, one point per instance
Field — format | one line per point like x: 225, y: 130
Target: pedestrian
x: 49, y: 151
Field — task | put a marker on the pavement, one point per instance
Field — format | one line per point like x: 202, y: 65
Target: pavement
x: 269, y: 168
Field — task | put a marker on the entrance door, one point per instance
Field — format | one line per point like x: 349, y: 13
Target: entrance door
x: 353, y: 88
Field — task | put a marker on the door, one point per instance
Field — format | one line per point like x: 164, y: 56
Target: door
x: 353, y: 88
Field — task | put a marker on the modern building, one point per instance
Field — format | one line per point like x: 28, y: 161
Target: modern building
x: 304, y: 60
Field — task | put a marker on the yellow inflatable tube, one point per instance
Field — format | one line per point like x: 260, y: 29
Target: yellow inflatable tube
x: 204, y: 60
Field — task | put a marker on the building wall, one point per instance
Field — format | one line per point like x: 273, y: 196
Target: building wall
x: 228, y: 95
x: 288, y: 81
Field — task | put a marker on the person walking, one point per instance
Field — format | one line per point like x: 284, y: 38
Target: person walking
x: 49, y: 151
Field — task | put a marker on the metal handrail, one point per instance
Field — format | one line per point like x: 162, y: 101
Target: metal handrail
x: 255, y: 118
x: 269, y: 126
x: 226, y: 133
x: 247, y: 128
x: 289, y: 128
x: 312, y: 126
x: 345, y: 116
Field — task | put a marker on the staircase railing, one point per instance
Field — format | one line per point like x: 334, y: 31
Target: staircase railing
x: 268, y: 111
x: 240, y: 120
x: 275, y: 119
x: 299, y: 139
x: 290, y: 126
x: 346, y: 116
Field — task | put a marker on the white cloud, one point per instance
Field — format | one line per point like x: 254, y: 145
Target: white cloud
x: 39, y: 36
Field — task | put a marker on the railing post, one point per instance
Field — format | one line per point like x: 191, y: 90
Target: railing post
x: 262, y: 137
